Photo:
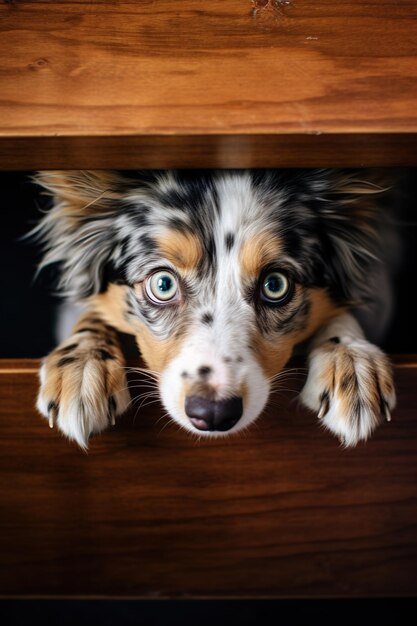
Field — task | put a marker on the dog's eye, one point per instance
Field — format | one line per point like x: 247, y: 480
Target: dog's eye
x: 276, y: 287
x: 162, y: 286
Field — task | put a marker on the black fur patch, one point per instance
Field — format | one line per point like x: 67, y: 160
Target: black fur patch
x: 356, y: 411
x: 112, y: 405
x: 324, y: 397
x: 189, y: 192
x: 66, y: 360
x: 297, y: 319
x: 207, y: 318
x: 138, y: 213
x: 204, y: 371
x: 211, y: 250
x: 348, y: 382
x: 229, y: 241
x: 178, y: 224
x: 87, y: 329
x: 147, y: 244
x: 72, y: 346
x: 111, y: 275
x: 104, y: 355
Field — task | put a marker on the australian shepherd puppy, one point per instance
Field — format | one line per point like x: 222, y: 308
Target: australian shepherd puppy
x: 220, y: 276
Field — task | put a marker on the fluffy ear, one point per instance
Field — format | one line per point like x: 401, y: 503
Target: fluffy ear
x: 78, y: 232
x: 348, y: 206
x: 78, y: 189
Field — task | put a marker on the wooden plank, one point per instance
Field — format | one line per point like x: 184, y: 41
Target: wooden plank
x: 104, y: 84
x: 205, y: 151
x: 150, y: 512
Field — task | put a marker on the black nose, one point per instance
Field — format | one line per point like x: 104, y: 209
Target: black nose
x: 207, y: 414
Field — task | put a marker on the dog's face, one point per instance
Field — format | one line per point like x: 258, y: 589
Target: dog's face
x: 218, y: 275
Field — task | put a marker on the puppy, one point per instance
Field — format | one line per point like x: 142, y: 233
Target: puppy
x: 220, y: 276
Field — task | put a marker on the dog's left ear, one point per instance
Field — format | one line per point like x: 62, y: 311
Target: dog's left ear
x: 348, y: 206
x: 79, y: 231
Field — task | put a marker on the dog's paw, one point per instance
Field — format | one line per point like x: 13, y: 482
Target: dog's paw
x: 350, y: 387
x: 83, y: 386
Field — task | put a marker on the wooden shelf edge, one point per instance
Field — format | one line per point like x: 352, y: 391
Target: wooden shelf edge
x: 28, y: 366
x: 209, y: 151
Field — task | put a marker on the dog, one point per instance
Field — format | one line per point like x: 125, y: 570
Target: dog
x: 220, y: 276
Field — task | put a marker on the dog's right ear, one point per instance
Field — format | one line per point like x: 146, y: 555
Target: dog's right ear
x: 79, y: 233
x: 81, y: 189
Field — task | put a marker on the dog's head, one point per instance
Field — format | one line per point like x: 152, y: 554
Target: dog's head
x: 219, y: 275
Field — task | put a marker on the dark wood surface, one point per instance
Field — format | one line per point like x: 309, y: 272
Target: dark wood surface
x: 282, y: 511
x: 270, y: 83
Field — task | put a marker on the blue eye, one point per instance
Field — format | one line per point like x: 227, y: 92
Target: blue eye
x: 275, y: 287
x: 162, y: 286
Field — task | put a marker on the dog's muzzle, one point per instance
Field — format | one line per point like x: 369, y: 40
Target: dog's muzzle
x: 212, y: 415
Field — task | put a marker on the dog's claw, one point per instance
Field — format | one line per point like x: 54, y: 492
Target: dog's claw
x: 112, y: 410
x: 386, y: 411
x: 52, y: 414
x: 324, y: 406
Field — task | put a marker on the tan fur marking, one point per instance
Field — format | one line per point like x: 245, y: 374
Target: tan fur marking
x: 157, y: 354
x: 272, y: 356
x: 183, y: 249
x: 111, y: 306
x: 323, y: 309
x: 259, y: 251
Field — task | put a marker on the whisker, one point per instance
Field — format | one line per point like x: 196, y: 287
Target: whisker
x: 144, y: 404
x: 283, y: 390
x: 144, y: 386
x: 295, y: 371
x: 130, y: 387
x: 142, y: 370
x: 145, y: 395
x: 169, y: 421
x: 143, y: 400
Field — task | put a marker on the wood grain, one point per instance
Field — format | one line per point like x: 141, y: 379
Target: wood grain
x: 283, y: 511
x: 209, y: 84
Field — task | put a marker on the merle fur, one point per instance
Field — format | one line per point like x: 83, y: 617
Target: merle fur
x: 332, y: 247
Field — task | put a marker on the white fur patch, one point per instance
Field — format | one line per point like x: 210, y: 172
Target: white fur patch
x: 227, y: 380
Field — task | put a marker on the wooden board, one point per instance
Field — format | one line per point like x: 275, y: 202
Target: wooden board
x: 242, y: 83
x: 282, y: 511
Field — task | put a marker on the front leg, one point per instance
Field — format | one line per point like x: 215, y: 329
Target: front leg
x: 349, y: 383
x: 83, y: 381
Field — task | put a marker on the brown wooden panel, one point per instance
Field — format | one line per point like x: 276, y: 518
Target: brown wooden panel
x: 268, y: 81
x: 150, y: 512
x: 225, y: 151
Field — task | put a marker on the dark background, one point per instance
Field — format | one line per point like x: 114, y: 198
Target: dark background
x: 383, y: 612
x: 28, y: 306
